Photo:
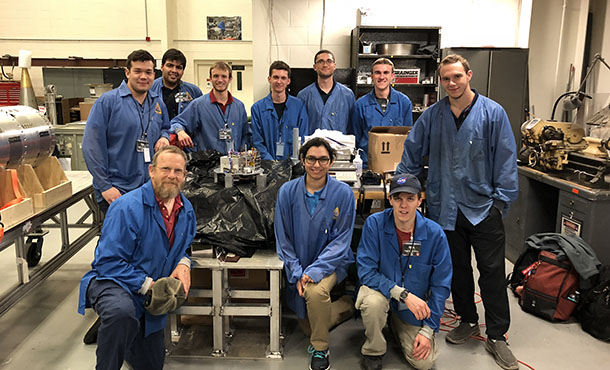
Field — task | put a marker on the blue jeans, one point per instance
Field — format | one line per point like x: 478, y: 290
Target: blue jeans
x: 121, y: 334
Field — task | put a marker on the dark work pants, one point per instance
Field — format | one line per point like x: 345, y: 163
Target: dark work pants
x: 487, y: 240
x: 103, y: 207
x: 121, y: 334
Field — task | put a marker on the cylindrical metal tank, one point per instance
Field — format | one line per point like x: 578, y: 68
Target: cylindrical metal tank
x: 26, y: 136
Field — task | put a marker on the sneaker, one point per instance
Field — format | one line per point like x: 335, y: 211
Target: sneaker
x: 319, y: 359
x: 462, y: 333
x: 502, y: 354
x: 371, y: 362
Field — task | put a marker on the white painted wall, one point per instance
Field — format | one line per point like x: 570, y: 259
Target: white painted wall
x: 556, y: 41
x: 114, y: 28
x: 600, y: 79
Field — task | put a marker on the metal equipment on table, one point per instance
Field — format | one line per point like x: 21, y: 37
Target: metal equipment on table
x: 26, y: 136
x: 240, y: 166
x: 563, y: 148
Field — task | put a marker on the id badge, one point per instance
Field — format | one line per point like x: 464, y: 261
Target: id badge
x: 412, y: 248
x: 142, y: 146
x: 279, y: 149
x: 225, y: 134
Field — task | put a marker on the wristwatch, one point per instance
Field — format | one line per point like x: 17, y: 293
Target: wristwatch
x: 404, y: 294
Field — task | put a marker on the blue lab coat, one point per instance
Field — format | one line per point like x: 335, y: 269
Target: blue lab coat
x: 336, y: 114
x: 111, y: 134
x: 267, y: 131
x: 203, y: 119
x: 428, y: 276
x: 315, y: 245
x: 187, y: 87
x: 367, y: 114
x: 470, y: 169
x: 134, y: 245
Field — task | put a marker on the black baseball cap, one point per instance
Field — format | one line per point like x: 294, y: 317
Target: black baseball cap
x: 405, y: 183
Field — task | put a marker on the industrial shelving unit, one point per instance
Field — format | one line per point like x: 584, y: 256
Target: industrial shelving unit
x: 427, y: 63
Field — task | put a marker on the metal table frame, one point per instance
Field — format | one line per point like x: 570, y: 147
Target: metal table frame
x: 222, y: 308
x: 58, y: 214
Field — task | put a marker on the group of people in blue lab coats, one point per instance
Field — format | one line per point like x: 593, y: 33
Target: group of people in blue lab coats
x: 328, y: 105
x: 407, y: 264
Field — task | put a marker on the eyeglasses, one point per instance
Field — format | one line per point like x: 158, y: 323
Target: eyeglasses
x: 322, y: 61
x: 312, y: 160
x: 177, y: 171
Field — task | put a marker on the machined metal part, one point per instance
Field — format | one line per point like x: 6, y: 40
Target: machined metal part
x: 26, y: 136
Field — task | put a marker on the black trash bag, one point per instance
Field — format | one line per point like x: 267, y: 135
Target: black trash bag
x: 238, y: 219
x: 201, y: 166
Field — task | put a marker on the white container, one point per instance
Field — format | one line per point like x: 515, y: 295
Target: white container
x: 358, y: 163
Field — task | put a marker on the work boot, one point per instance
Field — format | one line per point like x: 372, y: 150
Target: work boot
x: 371, y: 362
x: 462, y: 333
x: 502, y: 354
x: 91, y: 335
x: 319, y: 359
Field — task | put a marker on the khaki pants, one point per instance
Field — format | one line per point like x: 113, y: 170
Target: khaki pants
x: 321, y: 313
x: 374, y: 307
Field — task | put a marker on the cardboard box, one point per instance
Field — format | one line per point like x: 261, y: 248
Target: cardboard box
x: 19, y: 210
x: 46, y: 183
x: 406, y: 76
x: 66, y: 105
x: 85, y: 108
x: 386, y: 144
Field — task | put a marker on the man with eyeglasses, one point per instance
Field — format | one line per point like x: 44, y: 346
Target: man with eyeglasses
x: 314, y: 220
x: 171, y: 86
x: 144, y: 239
x: 329, y: 103
x: 383, y: 106
x: 123, y: 128
x: 404, y: 266
x: 215, y: 121
x: 275, y: 116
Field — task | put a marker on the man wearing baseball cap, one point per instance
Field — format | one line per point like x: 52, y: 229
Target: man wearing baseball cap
x: 404, y: 266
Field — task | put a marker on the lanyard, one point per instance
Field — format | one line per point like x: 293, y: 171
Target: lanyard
x: 405, y: 269
x: 141, y: 112
x: 225, y: 117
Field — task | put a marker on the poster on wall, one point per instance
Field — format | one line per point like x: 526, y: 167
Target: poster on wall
x: 224, y: 28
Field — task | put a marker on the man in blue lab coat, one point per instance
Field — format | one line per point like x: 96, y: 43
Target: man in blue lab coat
x: 329, y: 103
x: 314, y: 220
x: 170, y: 84
x: 214, y: 121
x: 383, y: 106
x: 472, y: 179
x: 144, y: 238
x: 404, y: 267
x: 275, y: 116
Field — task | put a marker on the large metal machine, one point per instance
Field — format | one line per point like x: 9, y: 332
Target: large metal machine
x: 26, y: 136
x: 562, y: 147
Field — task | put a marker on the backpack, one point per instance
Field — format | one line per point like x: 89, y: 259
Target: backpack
x: 550, y: 287
x: 516, y: 278
x: 594, y: 308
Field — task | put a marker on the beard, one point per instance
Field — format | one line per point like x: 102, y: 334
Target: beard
x: 168, y: 190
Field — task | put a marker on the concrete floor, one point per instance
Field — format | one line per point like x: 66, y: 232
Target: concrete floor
x: 43, y: 331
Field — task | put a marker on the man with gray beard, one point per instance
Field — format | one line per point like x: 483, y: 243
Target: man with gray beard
x: 144, y: 238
